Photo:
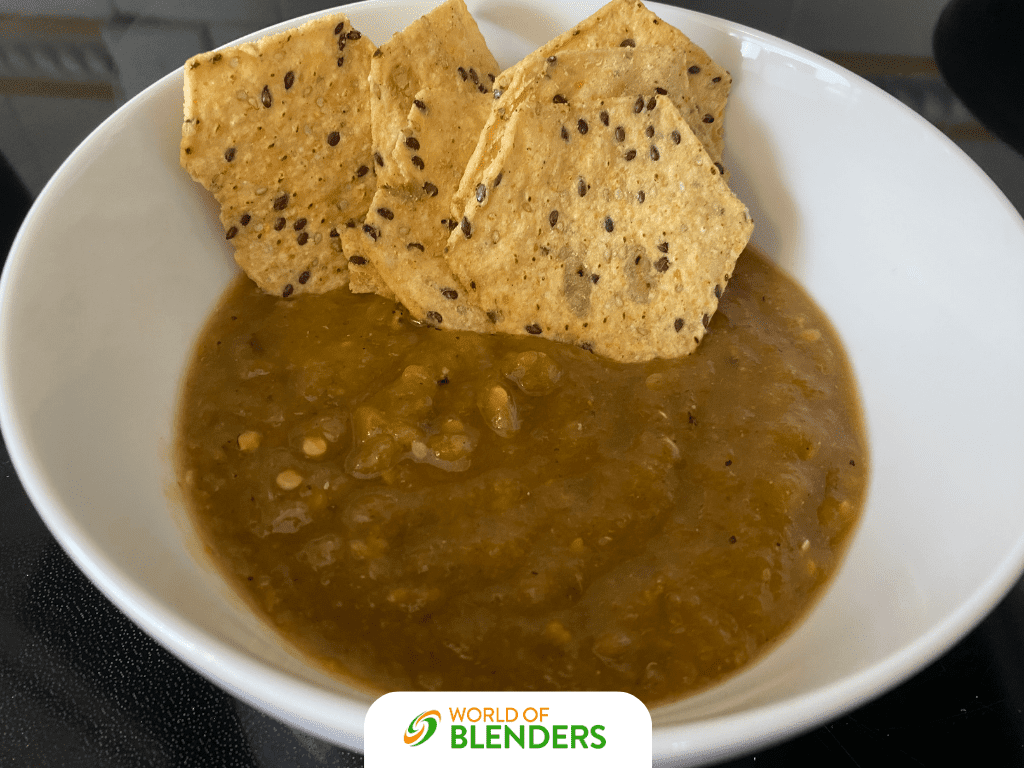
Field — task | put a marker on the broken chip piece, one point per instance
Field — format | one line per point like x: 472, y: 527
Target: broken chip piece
x: 279, y: 131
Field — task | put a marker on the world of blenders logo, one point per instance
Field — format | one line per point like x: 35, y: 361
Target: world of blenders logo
x: 422, y: 728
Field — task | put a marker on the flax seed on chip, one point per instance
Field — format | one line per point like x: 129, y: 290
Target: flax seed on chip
x: 279, y: 131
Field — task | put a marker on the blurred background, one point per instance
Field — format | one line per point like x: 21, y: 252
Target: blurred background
x: 82, y: 686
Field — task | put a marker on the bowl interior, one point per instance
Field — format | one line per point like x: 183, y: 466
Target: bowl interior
x: 895, y: 233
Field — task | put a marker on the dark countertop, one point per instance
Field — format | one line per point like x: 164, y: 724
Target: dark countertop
x: 80, y: 685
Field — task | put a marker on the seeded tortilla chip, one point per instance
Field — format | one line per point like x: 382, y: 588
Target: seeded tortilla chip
x: 644, y: 73
x: 627, y: 25
x: 408, y: 223
x: 611, y: 228
x: 630, y: 24
x: 441, y: 51
x: 431, y: 96
x: 595, y: 73
x: 363, y: 277
x: 279, y: 131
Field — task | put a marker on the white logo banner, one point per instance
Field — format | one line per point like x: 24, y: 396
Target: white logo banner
x: 588, y: 729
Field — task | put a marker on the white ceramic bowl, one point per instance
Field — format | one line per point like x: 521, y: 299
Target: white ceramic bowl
x: 910, y: 248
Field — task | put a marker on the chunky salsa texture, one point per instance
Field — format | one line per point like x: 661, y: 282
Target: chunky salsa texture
x: 425, y: 509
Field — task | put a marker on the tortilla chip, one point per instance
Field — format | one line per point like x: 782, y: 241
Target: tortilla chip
x: 279, y: 131
x: 641, y: 72
x: 408, y: 224
x: 438, y: 72
x: 363, y: 277
x: 623, y: 24
x: 630, y: 24
x: 603, y: 226
x: 708, y: 91
x: 441, y: 51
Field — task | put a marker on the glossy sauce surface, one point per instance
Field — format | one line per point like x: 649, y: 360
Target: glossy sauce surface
x: 424, y: 509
